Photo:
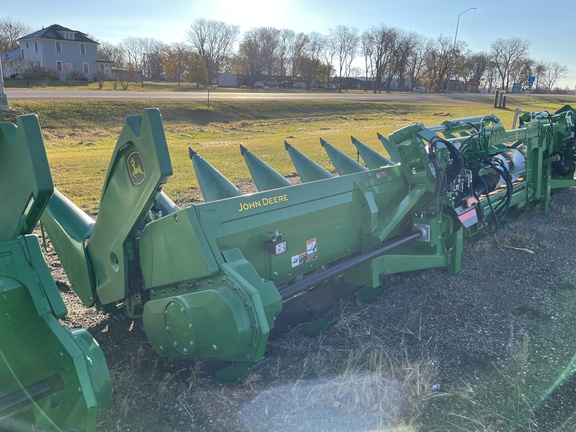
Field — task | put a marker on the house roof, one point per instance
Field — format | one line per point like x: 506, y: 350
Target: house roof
x: 14, y: 54
x: 54, y: 32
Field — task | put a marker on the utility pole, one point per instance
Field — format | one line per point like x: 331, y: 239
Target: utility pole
x: 3, y: 98
x: 454, y: 49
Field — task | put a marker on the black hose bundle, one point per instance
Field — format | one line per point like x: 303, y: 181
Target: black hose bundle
x: 484, y: 185
x: 443, y: 176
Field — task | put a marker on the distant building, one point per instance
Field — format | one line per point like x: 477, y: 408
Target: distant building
x: 58, y: 48
x: 226, y: 79
x: 11, y: 63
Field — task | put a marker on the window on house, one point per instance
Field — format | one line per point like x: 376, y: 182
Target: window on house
x: 36, y: 46
x: 82, y: 49
x: 38, y: 63
x: 58, y: 47
x: 22, y: 54
x: 85, y: 68
x: 27, y: 45
x: 68, y: 35
x: 59, y: 66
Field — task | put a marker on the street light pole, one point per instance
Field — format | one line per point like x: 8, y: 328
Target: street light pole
x: 3, y: 98
x: 454, y: 48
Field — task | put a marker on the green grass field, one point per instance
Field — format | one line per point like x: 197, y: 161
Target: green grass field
x: 80, y: 136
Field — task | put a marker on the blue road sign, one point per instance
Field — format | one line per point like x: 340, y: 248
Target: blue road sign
x: 531, y: 81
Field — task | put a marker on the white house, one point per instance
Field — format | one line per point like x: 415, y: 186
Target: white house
x: 59, y: 48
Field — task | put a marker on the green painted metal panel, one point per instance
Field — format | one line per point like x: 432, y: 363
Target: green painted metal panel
x: 72, y: 368
x: 265, y: 178
x: 140, y: 167
x: 173, y: 249
x: 344, y: 164
x: 307, y: 169
x: 213, y: 185
x: 25, y: 179
x: 68, y: 228
x: 58, y: 375
x: 372, y: 158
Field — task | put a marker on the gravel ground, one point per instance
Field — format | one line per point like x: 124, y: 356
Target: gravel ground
x: 477, y: 351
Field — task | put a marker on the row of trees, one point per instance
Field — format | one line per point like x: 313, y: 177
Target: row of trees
x: 391, y: 58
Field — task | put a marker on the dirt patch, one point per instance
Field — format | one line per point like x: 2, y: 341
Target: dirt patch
x: 435, y: 352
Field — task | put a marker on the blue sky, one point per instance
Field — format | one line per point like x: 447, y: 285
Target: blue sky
x: 549, y: 26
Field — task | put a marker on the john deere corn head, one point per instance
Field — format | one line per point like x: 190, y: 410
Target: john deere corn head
x: 215, y: 281
x: 50, y: 376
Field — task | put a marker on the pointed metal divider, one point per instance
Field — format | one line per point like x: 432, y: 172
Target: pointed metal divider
x: 214, y: 186
x: 392, y: 150
x: 308, y: 170
x: 265, y: 178
x: 371, y: 157
x: 344, y: 164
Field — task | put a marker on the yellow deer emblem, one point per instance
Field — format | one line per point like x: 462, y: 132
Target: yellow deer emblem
x: 136, y: 168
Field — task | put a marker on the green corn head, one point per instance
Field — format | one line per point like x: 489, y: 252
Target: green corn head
x: 215, y: 281
x: 51, y: 376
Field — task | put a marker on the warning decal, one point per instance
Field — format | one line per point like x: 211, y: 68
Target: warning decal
x: 304, y: 257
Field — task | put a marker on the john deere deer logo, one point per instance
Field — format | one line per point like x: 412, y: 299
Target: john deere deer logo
x: 136, y: 168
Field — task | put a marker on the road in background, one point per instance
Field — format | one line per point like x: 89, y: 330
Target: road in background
x: 23, y: 94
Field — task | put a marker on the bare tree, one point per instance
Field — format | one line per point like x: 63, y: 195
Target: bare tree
x: 269, y: 40
x: 296, y: 51
x: 416, y: 63
x: 491, y: 75
x: 144, y: 56
x: 327, y: 54
x: 480, y: 63
x: 346, y: 40
x: 379, y: 43
x: 507, y: 55
x: 407, y: 47
x: 213, y: 41
x: 438, y: 55
x: 521, y: 71
x: 285, y: 41
x: 539, y: 70
x: 367, y: 46
x: 113, y: 53
x: 250, y: 56
x: 553, y: 72
x: 257, y: 53
x: 10, y: 31
x: 311, y: 62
